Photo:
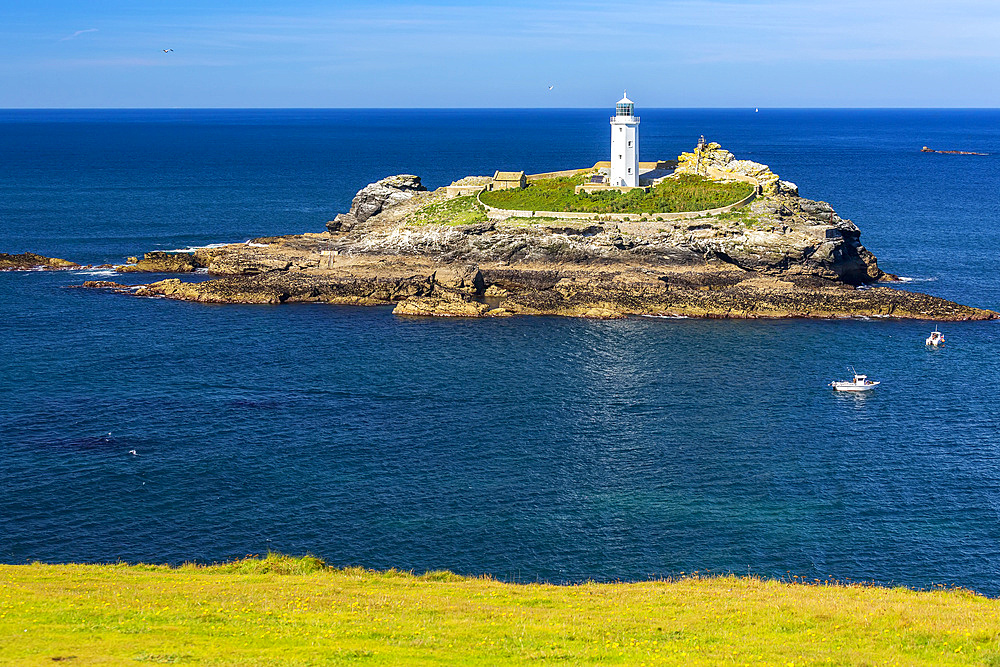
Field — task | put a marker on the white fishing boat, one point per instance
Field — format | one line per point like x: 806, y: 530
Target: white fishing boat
x: 859, y: 383
x: 936, y: 339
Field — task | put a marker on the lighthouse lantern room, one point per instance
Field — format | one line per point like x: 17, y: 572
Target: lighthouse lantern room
x: 624, y: 144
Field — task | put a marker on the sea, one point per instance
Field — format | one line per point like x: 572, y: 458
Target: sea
x: 531, y: 448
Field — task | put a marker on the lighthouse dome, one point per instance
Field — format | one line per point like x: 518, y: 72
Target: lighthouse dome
x: 625, y: 106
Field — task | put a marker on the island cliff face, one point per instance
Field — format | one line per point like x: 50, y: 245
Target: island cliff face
x: 779, y: 256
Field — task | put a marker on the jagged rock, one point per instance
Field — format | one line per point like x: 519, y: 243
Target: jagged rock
x: 477, y: 228
x: 29, y: 261
x: 344, y: 222
x: 715, y: 162
x: 391, y: 191
x: 375, y: 198
x: 162, y: 262
x: 250, y: 261
x: 440, y: 307
x: 611, y: 236
x: 788, y: 188
x: 463, y: 277
x: 108, y: 285
x: 495, y: 291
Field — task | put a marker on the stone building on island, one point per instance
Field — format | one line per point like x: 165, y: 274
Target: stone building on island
x: 509, y: 180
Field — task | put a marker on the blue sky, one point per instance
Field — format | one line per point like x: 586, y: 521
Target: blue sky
x: 684, y: 53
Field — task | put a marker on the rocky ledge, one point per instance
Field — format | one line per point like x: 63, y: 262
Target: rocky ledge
x: 780, y: 256
x: 29, y: 261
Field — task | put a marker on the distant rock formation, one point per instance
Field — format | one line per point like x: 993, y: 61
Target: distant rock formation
x: 925, y: 149
x: 29, y: 261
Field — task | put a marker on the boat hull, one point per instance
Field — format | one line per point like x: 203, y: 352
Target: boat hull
x: 854, y: 389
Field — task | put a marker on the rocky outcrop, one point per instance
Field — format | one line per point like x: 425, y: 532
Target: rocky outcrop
x: 162, y: 262
x: 444, y: 302
x: 293, y: 287
x: 572, y: 291
x: 376, y: 197
x: 748, y: 298
x: 716, y: 162
x: 29, y: 261
x: 109, y: 285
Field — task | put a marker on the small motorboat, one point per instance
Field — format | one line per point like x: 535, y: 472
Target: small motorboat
x: 859, y: 383
x: 936, y: 339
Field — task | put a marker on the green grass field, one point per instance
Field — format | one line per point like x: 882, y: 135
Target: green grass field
x: 686, y: 193
x: 296, y: 611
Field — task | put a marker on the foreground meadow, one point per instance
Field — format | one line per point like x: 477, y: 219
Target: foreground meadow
x: 297, y: 611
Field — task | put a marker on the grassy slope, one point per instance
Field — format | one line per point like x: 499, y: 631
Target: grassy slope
x: 295, y: 611
x: 458, y: 211
x: 687, y: 193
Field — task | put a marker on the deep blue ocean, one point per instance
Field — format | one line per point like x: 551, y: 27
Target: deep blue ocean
x: 531, y: 448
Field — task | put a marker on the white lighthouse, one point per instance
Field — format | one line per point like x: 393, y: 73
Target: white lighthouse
x: 624, y: 144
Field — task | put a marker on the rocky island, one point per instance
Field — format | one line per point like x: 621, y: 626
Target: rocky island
x: 446, y: 253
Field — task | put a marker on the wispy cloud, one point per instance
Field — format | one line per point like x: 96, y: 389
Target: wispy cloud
x: 77, y: 34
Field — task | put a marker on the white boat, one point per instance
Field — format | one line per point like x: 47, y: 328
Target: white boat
x: 859, y: 383
x: 936, y: 339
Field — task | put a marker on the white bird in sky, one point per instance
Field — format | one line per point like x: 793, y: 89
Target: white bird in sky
x: 167, y: 50
x: 551, y: 87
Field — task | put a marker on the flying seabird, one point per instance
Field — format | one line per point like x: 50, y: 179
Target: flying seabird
x: 132, y: 452
x: 167, y: 50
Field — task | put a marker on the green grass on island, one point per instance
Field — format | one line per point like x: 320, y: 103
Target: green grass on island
x: 297, y: 611
x: 673, y: 195
x: 457, y: 211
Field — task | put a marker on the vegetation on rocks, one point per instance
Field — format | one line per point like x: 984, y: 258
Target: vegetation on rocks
x: 743, y: 216
x: 457, y: 211
x: 294, y: 611
x: 687, y: 192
